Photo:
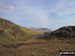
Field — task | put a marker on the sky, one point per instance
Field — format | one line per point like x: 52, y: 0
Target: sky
x: 51, y: 14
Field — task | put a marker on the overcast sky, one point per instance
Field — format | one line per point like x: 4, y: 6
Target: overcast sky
x: 51, y: 14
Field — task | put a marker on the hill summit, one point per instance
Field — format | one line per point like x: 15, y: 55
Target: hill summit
x: 64, y: 32
x: 12, y: 32
x: 9, y: 29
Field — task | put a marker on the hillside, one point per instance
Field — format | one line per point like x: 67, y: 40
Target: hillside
x: 11, y: 28
x: 61, y: 33
x: 30, y: 31
x: 10, y: 32
x: 16, y: 40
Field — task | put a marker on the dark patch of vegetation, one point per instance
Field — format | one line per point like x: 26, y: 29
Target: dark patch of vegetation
x: 62, y: 33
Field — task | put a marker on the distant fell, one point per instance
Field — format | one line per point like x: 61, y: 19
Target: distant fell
x: 43, y: 30
x: 64, y: 32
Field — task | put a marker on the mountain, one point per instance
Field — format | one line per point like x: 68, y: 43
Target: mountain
x: 43, y: 30
x: 10, y: 32
x: 8, y: 28
x: 17, y: 40
x: 64, y: 32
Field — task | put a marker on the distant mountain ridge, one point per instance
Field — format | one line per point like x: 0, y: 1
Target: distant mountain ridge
x: 41, y: 29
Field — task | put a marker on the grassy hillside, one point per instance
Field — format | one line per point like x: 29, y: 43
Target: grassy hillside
x: 10, y: 32
x: 31, y: 31
x: 21, y: 41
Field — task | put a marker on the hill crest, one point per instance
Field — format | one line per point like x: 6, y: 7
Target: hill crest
x: 64, y: 32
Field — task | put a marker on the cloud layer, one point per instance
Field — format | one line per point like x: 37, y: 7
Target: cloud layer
x: 39, y: 13
x: 65, y: 10
x: 4, y: 8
